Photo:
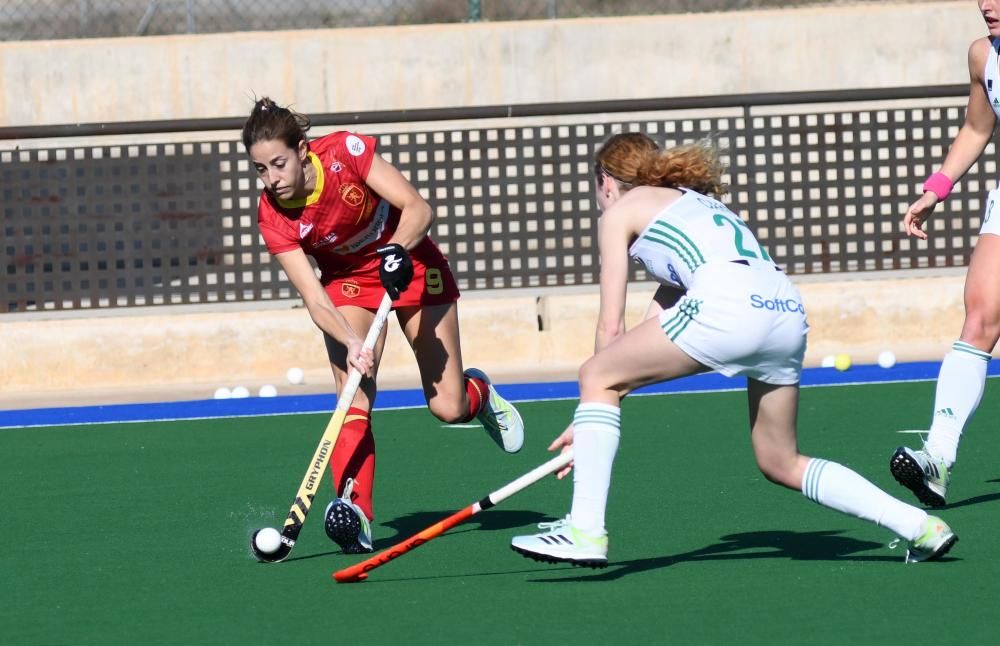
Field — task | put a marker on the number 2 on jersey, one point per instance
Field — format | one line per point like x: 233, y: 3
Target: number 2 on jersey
x: 738, y: 226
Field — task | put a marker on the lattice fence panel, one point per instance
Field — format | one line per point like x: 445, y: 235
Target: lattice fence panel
x: 105, y: 226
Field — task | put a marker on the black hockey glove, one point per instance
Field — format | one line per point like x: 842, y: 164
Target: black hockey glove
x: 395, y: 270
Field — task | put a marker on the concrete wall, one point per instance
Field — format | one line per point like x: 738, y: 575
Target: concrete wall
x: 180, y: 77
x: 191, y: 351
x: 110, y: 356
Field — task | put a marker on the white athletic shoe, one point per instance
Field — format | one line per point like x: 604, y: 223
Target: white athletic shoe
x: 563, y: 543
x: 922, y: 473
x: 934, y: 543
x: 500, y: 419
x: 347, y: 525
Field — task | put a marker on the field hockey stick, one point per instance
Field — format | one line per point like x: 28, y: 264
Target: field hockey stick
x: 360, y: 571
x: 314, y: 474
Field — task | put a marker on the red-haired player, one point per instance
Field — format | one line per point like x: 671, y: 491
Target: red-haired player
x: 366, y: 226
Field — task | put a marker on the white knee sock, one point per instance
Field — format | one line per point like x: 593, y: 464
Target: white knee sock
x: 837, y: 487
x: 596, y: 429
x: 960, y: 387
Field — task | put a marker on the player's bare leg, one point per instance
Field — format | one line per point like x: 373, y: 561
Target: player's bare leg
x: 453, y: 394
x: 773, y: 413
x: 773, y: 419
x: 432, y: 332
x: 961, y: 381
x: 642, y: 356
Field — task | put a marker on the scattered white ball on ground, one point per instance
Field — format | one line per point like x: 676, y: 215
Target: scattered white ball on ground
x: 296, y: 376
x: 223, y: 393
x: 842, y: 362
x: 267, y: 390
x: 268, y: 540
x: 886, y: 359
x: 240, y: 392
x: 828, y: 361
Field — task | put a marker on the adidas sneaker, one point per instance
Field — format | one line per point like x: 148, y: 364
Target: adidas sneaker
x: 922, y: 473
x: 563, y: 543
x: 934, y: 543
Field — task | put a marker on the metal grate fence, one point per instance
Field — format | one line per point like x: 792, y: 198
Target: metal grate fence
x: 102, y: 226
x: 61, y: 19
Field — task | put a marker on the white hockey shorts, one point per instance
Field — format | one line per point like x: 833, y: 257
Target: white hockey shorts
x: 741, y: 319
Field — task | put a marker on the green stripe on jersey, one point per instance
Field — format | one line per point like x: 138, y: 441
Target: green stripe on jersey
x: 688, y: 241
x: 674, y: 245
x: 675, y: 239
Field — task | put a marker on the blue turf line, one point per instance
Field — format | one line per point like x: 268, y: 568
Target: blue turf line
x: 324, y: 403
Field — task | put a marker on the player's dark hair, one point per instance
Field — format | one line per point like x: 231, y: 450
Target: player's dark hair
x: 268, y: 121
x: 634, y: 159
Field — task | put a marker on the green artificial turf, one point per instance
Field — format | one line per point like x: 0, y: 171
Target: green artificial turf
x: 137, y: 533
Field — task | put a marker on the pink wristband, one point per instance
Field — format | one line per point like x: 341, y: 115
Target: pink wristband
x: 938, y: 184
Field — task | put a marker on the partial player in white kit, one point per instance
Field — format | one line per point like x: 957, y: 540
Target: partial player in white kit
x: 962, y: 377
x: 722, y: 305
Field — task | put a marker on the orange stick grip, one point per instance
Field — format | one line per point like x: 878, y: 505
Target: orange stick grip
x: 359, y: 572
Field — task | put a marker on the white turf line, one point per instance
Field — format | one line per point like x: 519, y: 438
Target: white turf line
x: 540, y: 399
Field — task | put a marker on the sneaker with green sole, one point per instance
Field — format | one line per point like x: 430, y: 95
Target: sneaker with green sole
x: 934, y: 543
x: 563, y: 543
x: 499, y: 417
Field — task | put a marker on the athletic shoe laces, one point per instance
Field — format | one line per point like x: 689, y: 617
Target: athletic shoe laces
x: 555, y: 524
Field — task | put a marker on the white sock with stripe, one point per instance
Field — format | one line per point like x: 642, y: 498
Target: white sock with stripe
x: 837, y: 487
x: 596, y: 429
x: 960, y: 388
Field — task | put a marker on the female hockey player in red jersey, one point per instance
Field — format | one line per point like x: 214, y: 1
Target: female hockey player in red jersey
x: 335, y: 199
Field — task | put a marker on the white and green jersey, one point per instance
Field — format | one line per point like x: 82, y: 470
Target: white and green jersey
x: 991, y: 76
x: 691, y: 232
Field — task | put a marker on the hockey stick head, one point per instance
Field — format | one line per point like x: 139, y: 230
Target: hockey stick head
x: 274, y: 557
x: 307, y: 489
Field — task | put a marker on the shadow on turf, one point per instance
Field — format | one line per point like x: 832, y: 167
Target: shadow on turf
x: 975, y: 500
x: 493, y: 520
x: 781, y: 544
x: 408, y: 525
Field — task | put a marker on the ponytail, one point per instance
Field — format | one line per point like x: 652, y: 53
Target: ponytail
x: 633, y: 159
x: 268, y: 122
